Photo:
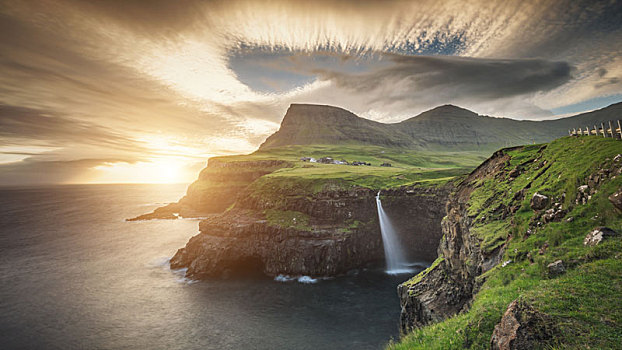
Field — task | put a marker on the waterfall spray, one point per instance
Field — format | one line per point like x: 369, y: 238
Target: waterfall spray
x: 393, y: 252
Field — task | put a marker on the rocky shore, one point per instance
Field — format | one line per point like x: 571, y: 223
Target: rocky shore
x: 325, y: 234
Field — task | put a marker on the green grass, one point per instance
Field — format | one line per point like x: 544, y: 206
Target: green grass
x: 423, y: 273
x: 585, y: 302
x: 288, y: 219
x: 408, y: 167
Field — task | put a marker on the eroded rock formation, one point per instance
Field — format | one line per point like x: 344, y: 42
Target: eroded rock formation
x: 522, y: 328
x: 449, y: 286
x: 340, y: 233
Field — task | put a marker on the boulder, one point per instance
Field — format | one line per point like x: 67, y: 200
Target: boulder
x: 597, y: 235
x: 543, y: 249
x: 583, y: 194
x: 556, y: 268
x: 539, y: 201
x: 616, y: 199
x: 521, y: 327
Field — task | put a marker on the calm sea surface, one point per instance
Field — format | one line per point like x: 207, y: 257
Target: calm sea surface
x: 75, y: 275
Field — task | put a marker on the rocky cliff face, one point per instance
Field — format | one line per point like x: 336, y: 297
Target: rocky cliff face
x: 448, y: 285
x: 325, y: 234
x: 216, y: 189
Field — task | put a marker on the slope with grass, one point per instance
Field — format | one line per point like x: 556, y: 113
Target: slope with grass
x: 433, y: 144
x: 226, y: 178
x: 444, y: 128
x: 503, y: 247
x: 303, y: 218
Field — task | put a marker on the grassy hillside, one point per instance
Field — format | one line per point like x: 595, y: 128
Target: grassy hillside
x: 407, y: 167
x: 271, y: 172
x: 319, y: 124
x: 585, y: 303
x: 445, y: 128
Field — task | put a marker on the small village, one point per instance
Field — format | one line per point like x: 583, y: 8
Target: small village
x: 330, y: 160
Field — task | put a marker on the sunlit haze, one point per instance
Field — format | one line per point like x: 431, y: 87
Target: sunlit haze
x: 147, y: 91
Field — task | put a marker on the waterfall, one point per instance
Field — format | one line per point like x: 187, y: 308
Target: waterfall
x: 393, y: 253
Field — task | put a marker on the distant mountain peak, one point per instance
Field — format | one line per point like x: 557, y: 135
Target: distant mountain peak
x: 444, y: 111
x: 446, y: 127
x: 449, y: 107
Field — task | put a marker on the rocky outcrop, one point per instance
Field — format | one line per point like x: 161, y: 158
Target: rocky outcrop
x: 539, y: 201
x: 556, y: 268
x: 242, y: 241
x: 449, y: 286
x: 342, y: 233
x: 522, y: 328
x: 464, y: 254
x: 597, y: 235
x: 216, y: 189
x: 616, y: 199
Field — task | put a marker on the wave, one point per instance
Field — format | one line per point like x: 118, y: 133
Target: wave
x: 164, y: 263
x: 181, y: 276
x: 299, y: 279
x: 157, y: 204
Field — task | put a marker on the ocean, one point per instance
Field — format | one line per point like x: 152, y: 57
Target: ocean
x: 75, y: 275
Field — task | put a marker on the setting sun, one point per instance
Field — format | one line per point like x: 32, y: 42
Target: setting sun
x: 288, y: 174
x: 157, y: 171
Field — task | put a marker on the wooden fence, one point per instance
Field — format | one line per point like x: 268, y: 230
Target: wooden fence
x: 611, y: 131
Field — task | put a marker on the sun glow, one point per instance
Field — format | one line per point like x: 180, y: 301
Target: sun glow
x: 162, y: 171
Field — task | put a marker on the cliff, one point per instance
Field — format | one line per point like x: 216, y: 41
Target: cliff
x: 307, y: 124
x: 217, y: 187
x: 325, y: 233
x: 443, y: 137
x: 518, y: 266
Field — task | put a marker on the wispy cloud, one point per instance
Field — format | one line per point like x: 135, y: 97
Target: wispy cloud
x: 115, y: 79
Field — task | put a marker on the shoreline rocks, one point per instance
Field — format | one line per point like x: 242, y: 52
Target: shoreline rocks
x: 342, y: 234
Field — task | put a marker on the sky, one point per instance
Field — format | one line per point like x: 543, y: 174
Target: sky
x: 146, y: 91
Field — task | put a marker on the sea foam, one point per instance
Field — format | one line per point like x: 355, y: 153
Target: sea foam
x: 300, y: 279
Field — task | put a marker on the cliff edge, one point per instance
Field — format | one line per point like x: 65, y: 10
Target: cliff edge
x: 530, y: 255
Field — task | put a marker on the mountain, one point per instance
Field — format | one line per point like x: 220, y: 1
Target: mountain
x: 444, y: 128
x: 306, y: 124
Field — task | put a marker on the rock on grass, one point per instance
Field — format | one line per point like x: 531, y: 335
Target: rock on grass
x: 521, y: 327
x: 597, y: 235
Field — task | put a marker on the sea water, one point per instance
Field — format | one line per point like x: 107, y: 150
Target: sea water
x: 75, y: 275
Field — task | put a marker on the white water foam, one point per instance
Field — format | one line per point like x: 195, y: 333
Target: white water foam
x: 299, y: 279
x: 164, y: 263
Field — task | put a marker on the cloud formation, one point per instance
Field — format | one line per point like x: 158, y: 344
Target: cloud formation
x: 138, y: 81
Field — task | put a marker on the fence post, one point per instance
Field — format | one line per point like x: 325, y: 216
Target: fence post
x: 611, y: 130
x: 619, y: 129
x: 602, y: 129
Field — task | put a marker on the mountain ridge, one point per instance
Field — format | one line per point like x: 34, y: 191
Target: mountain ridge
x: 443, y: 128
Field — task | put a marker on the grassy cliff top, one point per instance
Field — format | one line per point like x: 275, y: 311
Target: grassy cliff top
x: 407, y: 167
x: 585, y: 303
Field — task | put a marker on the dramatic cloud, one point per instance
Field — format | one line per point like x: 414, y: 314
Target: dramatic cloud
x: 413, y: 81
x: 128, y: 83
